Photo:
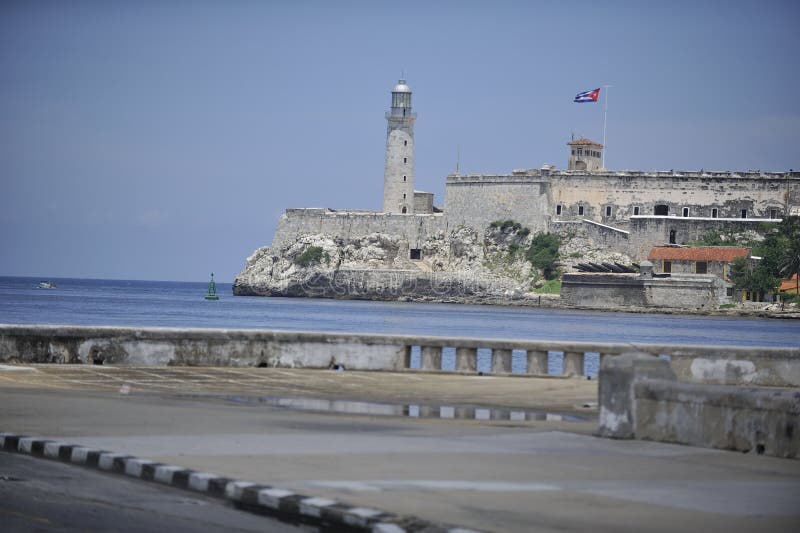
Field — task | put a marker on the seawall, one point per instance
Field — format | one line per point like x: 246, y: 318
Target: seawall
x: 729, y: 365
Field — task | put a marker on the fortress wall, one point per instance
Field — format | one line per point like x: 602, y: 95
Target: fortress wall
x: 477, y: 201
x: 649, y: 231
x: 347, y: 225
x: 623, y: 191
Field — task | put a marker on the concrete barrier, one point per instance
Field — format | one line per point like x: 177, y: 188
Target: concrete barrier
x: 759, y: 366
x: 640, y: 398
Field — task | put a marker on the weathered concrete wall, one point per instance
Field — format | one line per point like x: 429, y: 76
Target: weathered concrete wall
x: 603, y: 290
x: 685, y: 291
x: 615, y: 391
x: 779, y: 367
x: 760, y: 194
x: 201, y: 347
x: 720, y: 367
x: 639, y: 397
x: 764, y: 421
x: 631, y: 290
x: 650, y: 231
x: 477, y: 201
x: 414, y: 229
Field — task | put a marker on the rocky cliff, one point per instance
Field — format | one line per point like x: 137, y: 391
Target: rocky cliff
x: 462, y: 265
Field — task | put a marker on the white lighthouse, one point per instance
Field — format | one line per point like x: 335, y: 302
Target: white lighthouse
x: 398, y: 175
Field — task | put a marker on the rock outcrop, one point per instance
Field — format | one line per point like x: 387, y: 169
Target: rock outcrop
x: 461, y: 265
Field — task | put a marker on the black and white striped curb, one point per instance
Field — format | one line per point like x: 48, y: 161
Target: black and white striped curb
x: 250, y: 496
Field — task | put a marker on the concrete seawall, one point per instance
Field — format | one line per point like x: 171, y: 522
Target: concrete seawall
x: 640, y: 398
x: 752, y: 366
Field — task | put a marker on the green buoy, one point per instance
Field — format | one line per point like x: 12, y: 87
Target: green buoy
x: 211, y: 294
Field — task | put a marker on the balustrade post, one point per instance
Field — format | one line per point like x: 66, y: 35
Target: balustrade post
x: 573, y: 363
x: 407, y: 358
x: 431, y: 358
x: 537, y: 362
x: 466, y: 359
x: 501, y: 361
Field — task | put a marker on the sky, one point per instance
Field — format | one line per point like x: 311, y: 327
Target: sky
x: 163, y: 140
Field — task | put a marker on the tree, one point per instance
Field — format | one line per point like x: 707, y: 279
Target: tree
x: 543, y: 253
x: 780, y: 256
x: 789, y: 263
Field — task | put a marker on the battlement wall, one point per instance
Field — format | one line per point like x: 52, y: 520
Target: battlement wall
x: 355, y: 224
x: 478, y: 200
x: 539, y: 198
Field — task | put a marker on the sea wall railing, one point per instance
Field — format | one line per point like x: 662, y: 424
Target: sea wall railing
x: 733, y: 365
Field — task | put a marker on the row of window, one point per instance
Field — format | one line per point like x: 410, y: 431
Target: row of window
x: 591, y: 153
x: 700, y: 267
x: 663, y: 210
x: 609, y: 210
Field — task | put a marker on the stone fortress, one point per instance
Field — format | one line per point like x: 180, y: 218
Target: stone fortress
x: 621, y: 212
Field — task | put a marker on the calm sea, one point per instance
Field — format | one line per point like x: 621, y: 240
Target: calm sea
x: 179, y: 304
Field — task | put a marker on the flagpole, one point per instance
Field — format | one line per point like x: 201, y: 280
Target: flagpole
x: 605, y: 120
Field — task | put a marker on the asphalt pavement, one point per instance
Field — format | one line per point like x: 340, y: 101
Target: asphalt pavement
x: 518, y: 471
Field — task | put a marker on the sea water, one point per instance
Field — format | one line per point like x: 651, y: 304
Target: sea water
x: 181, y: 304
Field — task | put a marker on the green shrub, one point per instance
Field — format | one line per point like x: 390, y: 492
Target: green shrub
x: 312, y: 255
x: 504, y: 225
x: 543, y: 253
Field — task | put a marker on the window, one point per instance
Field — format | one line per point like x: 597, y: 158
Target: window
x: 701, y: 267
x: 405, y: 160
x: 558, y: 209
x: 573, y: 151
x: 580, y: 210
x: 404, y: 178
x: 744, y: 213
x: 404, y: 210
x: 714, y: 213
x: 666, y: 268
x: 636, y: 211
x: 685, y: 212
x: 672, y: 236
x: 415, y: 253
x: 608, y: 210
x: 773, y: 213
x: 404, y: 196
x: 580, y: 151
x: 405, y: 143
x: 661, y: 210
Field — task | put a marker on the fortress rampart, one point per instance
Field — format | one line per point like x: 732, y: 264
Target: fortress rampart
x: 414, y: 229
x: 625, y: 211
x: 622, y: 214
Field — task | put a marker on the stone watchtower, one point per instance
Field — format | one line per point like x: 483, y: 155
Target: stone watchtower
x: 585, y: 155
x: 398, y: 175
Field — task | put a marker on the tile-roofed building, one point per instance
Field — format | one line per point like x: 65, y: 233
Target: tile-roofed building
x: 724, y: 254
x: 789, y: 285
x: 584, y: 142
x: 585, y: 154
x: 696, y: 259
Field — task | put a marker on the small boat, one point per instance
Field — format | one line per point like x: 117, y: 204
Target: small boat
x: 47, y: 285
x: 211, y: 294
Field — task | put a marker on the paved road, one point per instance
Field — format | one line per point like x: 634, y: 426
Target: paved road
x: 497, y: 475
x: 46, y: 496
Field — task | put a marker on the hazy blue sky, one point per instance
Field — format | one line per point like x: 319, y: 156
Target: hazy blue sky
x: 162, y: 140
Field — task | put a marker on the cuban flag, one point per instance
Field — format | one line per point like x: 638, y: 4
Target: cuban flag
x: 588, y: 96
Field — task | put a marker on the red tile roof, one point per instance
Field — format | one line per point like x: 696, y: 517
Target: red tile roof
x: 583, y: 142
x: 698, y: 253
x: 789, y: 285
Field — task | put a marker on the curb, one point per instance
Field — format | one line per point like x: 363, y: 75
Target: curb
x: 246, y: 495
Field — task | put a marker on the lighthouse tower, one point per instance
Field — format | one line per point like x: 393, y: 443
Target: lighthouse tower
x: 398, y: 175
